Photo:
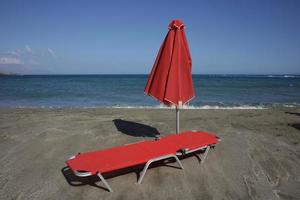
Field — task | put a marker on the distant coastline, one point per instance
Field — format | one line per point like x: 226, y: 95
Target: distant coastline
x: 7, y: 74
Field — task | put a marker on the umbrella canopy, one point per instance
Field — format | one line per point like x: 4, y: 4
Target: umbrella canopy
x: 170, y: 80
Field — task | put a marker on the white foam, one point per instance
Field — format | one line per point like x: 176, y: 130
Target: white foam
x: 244, y: 107
x: 293, y: 105
x: 184, y: 107
x: 281, y: 76
x: 205, y: 107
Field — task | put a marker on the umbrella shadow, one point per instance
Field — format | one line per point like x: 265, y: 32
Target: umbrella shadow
x: 135, y: 129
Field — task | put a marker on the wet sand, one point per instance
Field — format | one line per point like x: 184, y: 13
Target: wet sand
x: 258, y: 157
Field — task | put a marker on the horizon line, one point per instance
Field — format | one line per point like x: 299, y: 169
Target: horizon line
x: 224, y: 74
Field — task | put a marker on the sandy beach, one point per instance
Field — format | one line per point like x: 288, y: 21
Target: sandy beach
x: 258, y: 157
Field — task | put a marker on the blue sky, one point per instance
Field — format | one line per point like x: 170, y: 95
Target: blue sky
x: 116, y: 37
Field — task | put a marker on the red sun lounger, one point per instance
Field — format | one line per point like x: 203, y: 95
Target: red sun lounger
x: 145, y: 152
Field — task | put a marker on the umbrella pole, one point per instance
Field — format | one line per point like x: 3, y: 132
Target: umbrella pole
x: 177, y: 119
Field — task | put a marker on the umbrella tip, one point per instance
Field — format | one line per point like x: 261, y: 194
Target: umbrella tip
x: 175, y: 24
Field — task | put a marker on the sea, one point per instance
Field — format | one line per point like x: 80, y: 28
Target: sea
x: 127, y: 91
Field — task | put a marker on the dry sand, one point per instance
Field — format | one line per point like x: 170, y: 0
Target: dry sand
x: 259, y: 157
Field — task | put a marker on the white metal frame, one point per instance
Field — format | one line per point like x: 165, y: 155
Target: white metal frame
x: 155, y: 160
x: 187, y: 151
x: 85, y: 174
x: 104, y: 181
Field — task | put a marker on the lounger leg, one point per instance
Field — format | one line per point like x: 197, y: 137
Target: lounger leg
x: 157, y: 159
x: 205, y: 154
x: 104, y: 181
x: 179, y: 163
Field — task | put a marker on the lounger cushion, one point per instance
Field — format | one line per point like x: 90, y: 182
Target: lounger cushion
x: 139, y: 153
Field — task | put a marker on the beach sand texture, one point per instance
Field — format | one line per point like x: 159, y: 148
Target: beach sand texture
x: 258, y: 157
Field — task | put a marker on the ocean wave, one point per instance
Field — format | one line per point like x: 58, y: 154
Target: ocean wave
x: 162, y: 106
x: 185, y: 107
x: 282, y: 76
x: 190, y: 107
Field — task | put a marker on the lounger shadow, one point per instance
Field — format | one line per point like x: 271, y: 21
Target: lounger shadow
x: 295, y: 125
x: 293, y: 113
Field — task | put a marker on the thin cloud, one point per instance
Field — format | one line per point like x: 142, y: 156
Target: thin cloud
x: 26, y: 60
x: 5, y: 60
x: 32, y: 61
x: 14, y: 53
x: 51, y: 52
x: 28, y: 49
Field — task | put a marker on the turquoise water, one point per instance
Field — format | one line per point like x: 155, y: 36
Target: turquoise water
x: 127, y: 91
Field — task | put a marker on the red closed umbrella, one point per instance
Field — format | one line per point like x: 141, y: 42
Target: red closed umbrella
x: 170, y: 80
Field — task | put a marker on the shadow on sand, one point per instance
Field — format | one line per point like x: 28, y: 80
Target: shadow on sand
x: 76, y: 181
x: 295, y: 125
x: 135, y: 129
x: 293, y: 113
